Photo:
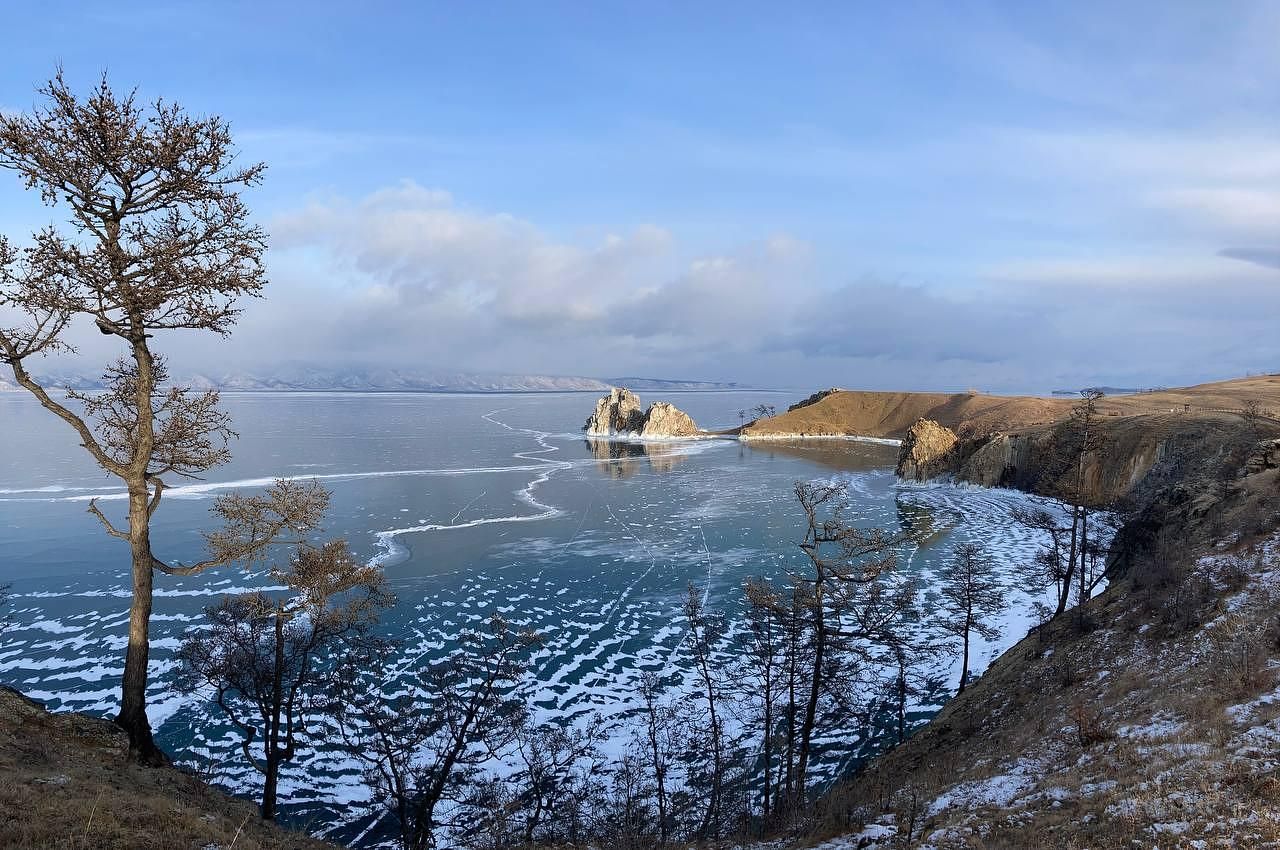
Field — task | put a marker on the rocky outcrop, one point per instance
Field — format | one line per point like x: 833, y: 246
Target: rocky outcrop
x: 1265, y: 455
x: 667, y: 420
x: 620, y: 413
x: 813, y: 399
x: 927, y: 451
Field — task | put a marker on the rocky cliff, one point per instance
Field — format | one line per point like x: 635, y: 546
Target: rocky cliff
x: 926, y: 451
x: 667, y: 420
x: 620, y: 412
x: 1137, y: 455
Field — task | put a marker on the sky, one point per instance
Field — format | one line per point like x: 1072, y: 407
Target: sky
x: 1012, y: 197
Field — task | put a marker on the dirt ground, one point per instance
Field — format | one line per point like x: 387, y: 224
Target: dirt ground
x: 65, y: 784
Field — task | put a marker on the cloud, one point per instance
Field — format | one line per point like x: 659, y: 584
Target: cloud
x: 1266, y: 257
x: 409, y: 276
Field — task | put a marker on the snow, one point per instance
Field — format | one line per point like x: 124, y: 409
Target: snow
x: 1159, y: 727
x: 1000, y: 790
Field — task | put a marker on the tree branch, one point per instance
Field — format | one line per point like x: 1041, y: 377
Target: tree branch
x: 111, y: 529
x: 87, y: 439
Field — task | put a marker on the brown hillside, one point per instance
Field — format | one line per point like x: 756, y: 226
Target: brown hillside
x: 884, y: 414
x: 890, y: 414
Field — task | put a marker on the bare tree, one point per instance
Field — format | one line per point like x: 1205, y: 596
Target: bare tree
x: 971, y: 594
x: 159, y: 240
x: 661, y: 739
x: 1048, y: 567
x: 262, y: 656
x: 422, y: 740
x: 705, y: 628
x: 558, y: 786
x: 847, y: 597
x: 1081, y: 437
x: 762, y: 676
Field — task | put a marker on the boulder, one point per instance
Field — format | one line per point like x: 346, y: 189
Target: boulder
x: 667, y: 420
x: 926, y: 451
x: 1265, y: 455
x: 617, y: 413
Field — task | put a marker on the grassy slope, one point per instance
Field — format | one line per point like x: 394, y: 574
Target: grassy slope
x: 888, y: 414
x: 65, y: 784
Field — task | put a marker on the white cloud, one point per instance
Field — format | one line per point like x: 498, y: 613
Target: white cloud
x: 1236, y: 212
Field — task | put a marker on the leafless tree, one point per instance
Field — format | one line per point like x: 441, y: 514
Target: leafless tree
x: 1080, y: 437
x: 971, y: 594
x: 762, y: 676
x: 848, y: 598
x: 559, y: 786
x: 1048, y: 567
x: 630, y: 813
x: 262, y: 657
x: 422, y: 740
x: 705, y: 628
x: 660, y: 741
x: 906, y: 656
x: 158, y: 240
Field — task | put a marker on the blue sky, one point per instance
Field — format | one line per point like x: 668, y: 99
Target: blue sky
x: 1011, y: 196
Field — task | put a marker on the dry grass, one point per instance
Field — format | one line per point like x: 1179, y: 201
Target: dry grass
x: 890, y: 414
x: 64, y: 784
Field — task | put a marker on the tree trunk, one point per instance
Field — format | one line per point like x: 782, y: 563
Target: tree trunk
x: 133, y: 686
x: 964, y: 664
x: 271, y: 784
x: 1071, y: 561
x: 815, y: 689
x: 272, y: 760
x: 768, y: 747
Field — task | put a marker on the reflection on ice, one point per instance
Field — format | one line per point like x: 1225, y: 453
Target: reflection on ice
x: 621, y: 459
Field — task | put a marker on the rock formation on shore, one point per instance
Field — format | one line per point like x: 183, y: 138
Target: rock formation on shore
x: 926, y: 451
x: 616, y: 413
x: 667, y: 420
x: 620, y: 412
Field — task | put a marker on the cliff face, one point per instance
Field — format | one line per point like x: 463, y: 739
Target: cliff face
x: 620, y: 412
x: 926, y: 451
x: 1138, y: 456
x: 667, y: 420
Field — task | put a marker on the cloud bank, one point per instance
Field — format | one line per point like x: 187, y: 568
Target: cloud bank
x: 407, y: 276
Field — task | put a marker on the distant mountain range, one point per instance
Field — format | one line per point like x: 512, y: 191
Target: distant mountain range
x: 322, y: 379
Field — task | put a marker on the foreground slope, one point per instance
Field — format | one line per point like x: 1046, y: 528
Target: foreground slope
x: 65, y: 783
x: 1154, y: 724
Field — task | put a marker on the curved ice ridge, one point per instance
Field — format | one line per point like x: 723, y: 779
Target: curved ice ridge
x: 201, y: 490
x: 395, y: 553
